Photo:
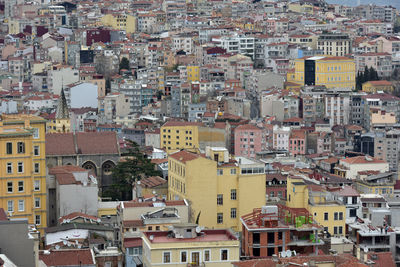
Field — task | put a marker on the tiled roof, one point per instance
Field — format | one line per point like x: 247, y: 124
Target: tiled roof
x: 381, y: 83
x: 181, y: 123
x: 132, y: 242
x: 361, y: 160
x: 152, y: 181
x: 87, y: 143
x: 132, y: 223
x: 64, y: 174
x: 68, y: 257
x: 184, y: 156
x: 384, y: 259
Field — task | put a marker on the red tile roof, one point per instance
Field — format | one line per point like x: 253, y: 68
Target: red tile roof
x: 361, y: 160
x: 152, y: 181
x: 381, y: 83
x: 385, y: 259
x: 132, y: 242
x: 87, y: 143
x: 184, y: 156
x: 132, y: 223
x: 68, y: 257
x: 64, y: 174
x: 181, y: 123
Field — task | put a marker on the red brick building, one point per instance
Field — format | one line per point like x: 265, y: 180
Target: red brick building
x: 273, y: 229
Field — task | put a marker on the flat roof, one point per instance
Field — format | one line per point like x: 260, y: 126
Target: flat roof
x: 205, y: 236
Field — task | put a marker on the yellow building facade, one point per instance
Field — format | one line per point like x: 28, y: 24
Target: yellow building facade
x: 375, y: 86
x: 330, y: 214
x: 120, y: 22
x: 23, y: 168
x: 193, y: 73
x: 329, y: 71
x: 179, y: 135
x: 218, y: 188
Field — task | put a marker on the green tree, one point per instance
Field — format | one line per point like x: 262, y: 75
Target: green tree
x: 134, y: 167
x: 124, y: 64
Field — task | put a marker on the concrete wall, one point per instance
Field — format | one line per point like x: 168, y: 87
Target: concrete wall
x: 15, y: 244
x: 77, y: 198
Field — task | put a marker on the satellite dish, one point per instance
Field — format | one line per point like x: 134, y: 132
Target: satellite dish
x: 57, y: 247
x: 294, y: 253
x: 288, y: 253
x: 198, y: 229
x: 366, y: 250
x: 64, y: 242
x: 79, y: 246
x: 69, y: 244
x: 283, y: 254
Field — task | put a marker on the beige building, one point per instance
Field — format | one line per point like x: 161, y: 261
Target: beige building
x: 189, y: 245
x: 334, y: 44
x: 349, y: 168
x: 113, y: 106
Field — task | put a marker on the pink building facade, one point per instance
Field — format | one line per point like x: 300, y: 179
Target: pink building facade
x: 248, y: 140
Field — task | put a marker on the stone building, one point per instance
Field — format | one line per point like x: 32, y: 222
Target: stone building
x: 97, y: 151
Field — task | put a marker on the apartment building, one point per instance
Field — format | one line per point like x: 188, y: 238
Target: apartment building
x: 326, y: 211
x: 248, y: 140
x: 176, y: 135
x: 381, y: 62
x: 217, y: 185
x: 189, y: 245
x: 23, y: 166
x: 275, y: 229
x: 334, y: 44
x: 329, y: 71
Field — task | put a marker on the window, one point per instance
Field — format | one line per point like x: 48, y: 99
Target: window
x: 233, y: 171
x: 9, y: 148
x: 183, y: 256
x: 20, y: 147
x: 166, y: 257
x: 36, y: 151
x: 37, y: 202
x: 9, y: 187
x: 336, y: 216
x: 150, y: 228
x: 224, y: 254
x: 233, y: 213
x: 220, y: 199
x: 21, y: 205
x: 36, y: 185
x: 220, y: 172
x: 36, y: 167
x: 340, y: 216
x: 10, y: 206
x: 20, y: 186
x: 220, y: 218
x: 9, y: 167
x: 20, y: 167
x: 233, y: 194
x: 157, y: 228
x: 340, y: 230
x: 35, y: 133
x: 353, y: 213
x: 326, y: 217
x: 335, y: 230
x: 207, y: 255
x: 37, y: 219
